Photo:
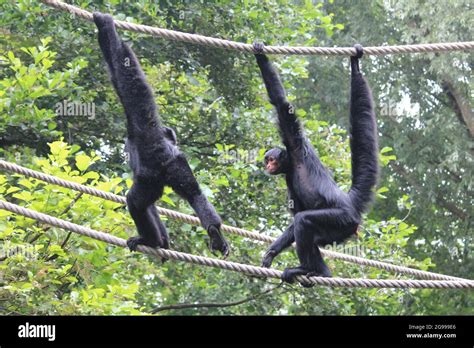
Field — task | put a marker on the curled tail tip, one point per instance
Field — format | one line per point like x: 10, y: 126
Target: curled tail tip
x: 102, y: 19
x: 355, y: 69
x: 98, y: 18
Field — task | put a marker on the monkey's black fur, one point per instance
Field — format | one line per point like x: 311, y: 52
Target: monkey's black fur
x: 323, y: 213
x: 154, y: 156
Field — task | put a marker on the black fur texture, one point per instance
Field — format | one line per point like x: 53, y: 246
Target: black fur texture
x: 323, y: 213
x: 154, y: 156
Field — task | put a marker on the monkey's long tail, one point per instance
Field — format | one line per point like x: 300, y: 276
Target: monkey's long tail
x: 364, y: 144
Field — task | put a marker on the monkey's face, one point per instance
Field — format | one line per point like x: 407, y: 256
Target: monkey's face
x: 271, y: 165
x: 276, y: 161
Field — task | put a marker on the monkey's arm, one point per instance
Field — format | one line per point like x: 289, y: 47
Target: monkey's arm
x: 290, y: 127
x: 126, y: 74
x: 275, y: 89
x: 280, y: 244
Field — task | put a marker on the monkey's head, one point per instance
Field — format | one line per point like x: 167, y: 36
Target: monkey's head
x: 276, y: 161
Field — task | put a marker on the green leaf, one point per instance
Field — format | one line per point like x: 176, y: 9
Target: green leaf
x: 83, y: 162
x: 52, y: 125
x: 91, y: 175
x: 168, y: 200
x: 24, y: 196
x: 12, y: 189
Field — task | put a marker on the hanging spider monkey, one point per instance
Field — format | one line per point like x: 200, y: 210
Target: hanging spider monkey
x: 323, y: 213
x: 154, y: 156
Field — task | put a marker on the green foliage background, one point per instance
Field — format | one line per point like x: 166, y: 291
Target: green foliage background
x: 215, y: 101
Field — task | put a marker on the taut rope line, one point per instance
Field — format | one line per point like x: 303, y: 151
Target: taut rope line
x: 227, y: 44
x: 234, y: 266
x: 238, y: 231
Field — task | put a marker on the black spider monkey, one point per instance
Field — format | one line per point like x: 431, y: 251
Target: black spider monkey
x: 323, y: 213
x: 154, y: 156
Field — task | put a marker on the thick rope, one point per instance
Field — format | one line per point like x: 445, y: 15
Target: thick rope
x: 234, y: 266
x: 238, y: 231
x: 227, y: 44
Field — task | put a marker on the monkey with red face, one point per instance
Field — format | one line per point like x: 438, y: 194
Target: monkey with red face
x: 323, y: 213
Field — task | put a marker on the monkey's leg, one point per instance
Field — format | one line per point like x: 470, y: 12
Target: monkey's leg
x: 153, y: 213
x: 180, y: 177
x: 140, y: 202
x: 313, y: 228
x: 311, y: 261
x: 281, y: 243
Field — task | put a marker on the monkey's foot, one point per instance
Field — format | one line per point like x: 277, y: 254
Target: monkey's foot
x: 268, y: 258
x: 134, y: 242
x: 325, y: 273
x: 217, y: 241
x: 289, y: 274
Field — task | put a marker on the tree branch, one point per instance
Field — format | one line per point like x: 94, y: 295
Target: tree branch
x: 460, y: 104
x: 213, y: 305
x: 63, y: 244
x: 453, y: 208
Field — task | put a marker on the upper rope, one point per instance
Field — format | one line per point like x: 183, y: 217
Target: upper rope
x: 221, y: 43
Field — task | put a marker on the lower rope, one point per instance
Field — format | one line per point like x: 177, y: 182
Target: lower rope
x: 238, y: 231
x: 234, y: 266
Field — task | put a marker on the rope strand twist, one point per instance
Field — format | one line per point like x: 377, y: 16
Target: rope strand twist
x: 234, y: 266
x: 230, y: 229
x: 248, y: 48
x: 215, y: 42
